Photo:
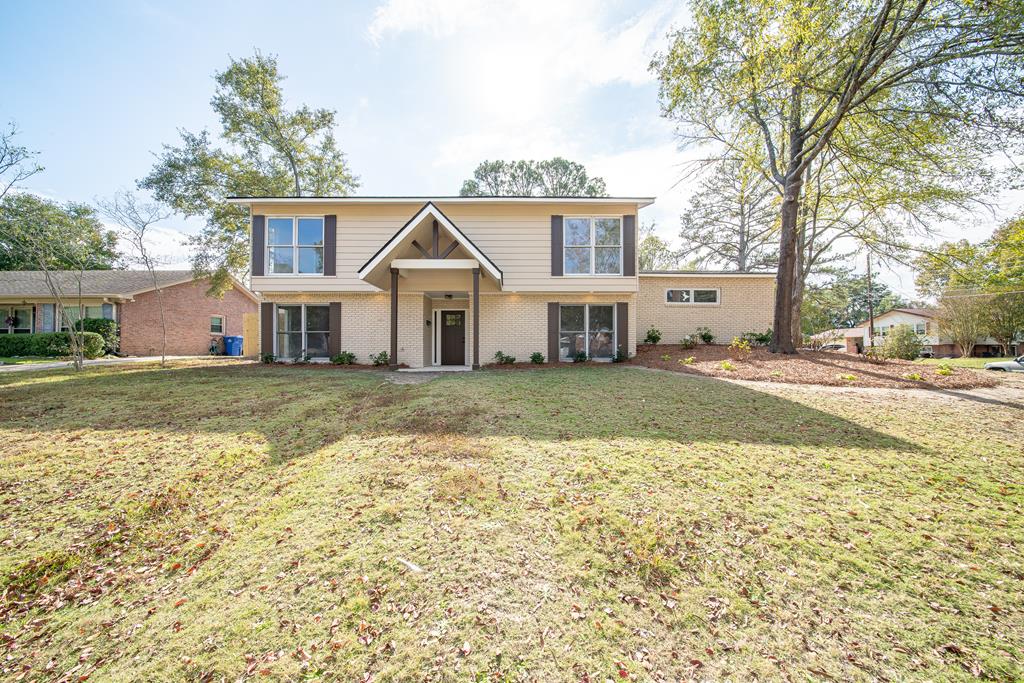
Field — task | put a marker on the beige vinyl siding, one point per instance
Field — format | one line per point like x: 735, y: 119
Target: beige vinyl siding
x: 517, y: 238
x: 745, y: 305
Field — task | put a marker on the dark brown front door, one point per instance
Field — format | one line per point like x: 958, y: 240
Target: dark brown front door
x: 453, y: 337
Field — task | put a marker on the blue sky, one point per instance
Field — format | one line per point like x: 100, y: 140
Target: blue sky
x: 423, y: 89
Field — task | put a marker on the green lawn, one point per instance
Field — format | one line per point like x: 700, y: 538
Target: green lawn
x: 578, y: 524
x: 962, y: 362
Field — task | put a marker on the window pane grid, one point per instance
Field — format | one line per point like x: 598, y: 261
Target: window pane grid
x: 592, y: 246
x: 691, y: 296
x: 586, y: 328
x: 295, y: 246
x: 303, y: 331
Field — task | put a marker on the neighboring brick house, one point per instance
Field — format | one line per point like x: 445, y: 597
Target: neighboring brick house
x: 451, y: 281
x: 923, y: 321
x: 130, y: 298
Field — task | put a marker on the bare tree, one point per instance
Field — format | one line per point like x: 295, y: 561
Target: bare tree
x: 134, y: 219
x: 15, y: 161
x: 732, y: 220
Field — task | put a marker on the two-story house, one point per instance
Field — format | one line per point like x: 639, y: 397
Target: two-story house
x: 450, y: 281
x: 923, y: 322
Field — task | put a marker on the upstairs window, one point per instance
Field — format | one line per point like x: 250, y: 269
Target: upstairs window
x: 592, y: 246
x: 295, y: 246
x: 691, y: 296
x: 920, y: 328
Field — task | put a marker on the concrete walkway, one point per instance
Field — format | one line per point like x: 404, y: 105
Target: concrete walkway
x: 99, y: 361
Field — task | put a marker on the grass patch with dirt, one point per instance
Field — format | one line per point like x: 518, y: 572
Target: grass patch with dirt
x: 826, y: 368
x: 976, y: 363
x: 229, y: 522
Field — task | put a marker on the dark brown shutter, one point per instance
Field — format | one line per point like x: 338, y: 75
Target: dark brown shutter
x: 266, y: 327
x: 330, y: 245
x: 629, y: 246
x: 258, y: 241
x: 553, y: 324
x: 334, y: 335
x: 622, y: 325
x: 556, y: 245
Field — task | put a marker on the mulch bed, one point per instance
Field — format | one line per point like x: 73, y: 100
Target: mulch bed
x: 807, y: 367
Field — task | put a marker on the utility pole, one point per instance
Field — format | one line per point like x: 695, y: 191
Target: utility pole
x: 871, y: 309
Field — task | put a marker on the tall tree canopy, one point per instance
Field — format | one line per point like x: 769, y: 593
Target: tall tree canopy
x: 264, y: 149
x: 732, y: 221
x: 843, y: 302
x: 37, y: 233
x: 556, y: 177
x: 654, y: 253
x: 925, y: 87
x: 992, y: 266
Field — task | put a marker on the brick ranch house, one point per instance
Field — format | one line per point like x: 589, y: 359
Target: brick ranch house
x: 451, y: 281
x: 130, y: 298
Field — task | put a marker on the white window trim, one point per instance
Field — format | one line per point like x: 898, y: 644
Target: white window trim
x: 223, y: 324
x: 691, y: 302
x: 436, y: 357
x: 592, y: 246
x: 268, y: 267
x: 303, y: 330
x: 7, y: 310
x: 586, y: 331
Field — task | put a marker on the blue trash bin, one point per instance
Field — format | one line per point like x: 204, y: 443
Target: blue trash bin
x: 232, y: 346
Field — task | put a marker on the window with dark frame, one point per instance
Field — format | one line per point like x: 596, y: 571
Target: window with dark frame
x: 691, y: 296
x: 592, y: 245
x: 295, y: 245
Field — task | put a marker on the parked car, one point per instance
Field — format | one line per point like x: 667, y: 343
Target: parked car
x: 1015, y: 365
x: 834, y: 347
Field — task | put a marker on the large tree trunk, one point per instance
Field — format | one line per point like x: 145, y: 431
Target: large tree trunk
x: 798, y: 302
x: 782, y: 326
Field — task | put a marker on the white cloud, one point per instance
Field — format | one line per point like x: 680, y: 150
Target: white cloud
x: 519, y: 62
x: 167, y: 246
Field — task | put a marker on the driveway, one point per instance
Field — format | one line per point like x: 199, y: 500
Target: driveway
x: 99, y: 361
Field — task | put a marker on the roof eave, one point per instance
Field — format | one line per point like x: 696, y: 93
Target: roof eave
x: 641, y: 202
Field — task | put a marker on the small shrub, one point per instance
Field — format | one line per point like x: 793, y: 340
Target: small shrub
x: 536, y: 357
x: 580, y: 357
x: 903, y: 343
x: 379, y: 359
x: 944, y: 370
x: 758, y: 338
x: 620, y: 355
x: 739, y: 348
x: 686, y: 361
x: 344, y: 358
x: 689, y: 341
x: 875, y: 356
x: 267, y: 358
x: 503, y: 358
x: 916, y: 376
x: 704, y: 333
x: 776, y: 374
x: 106, y: 329
x: 727, y: 366
x: 848, y: 377
x: 666, y: 357
x: 653, y: 336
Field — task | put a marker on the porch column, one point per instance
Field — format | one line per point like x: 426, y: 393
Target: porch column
x: 476, y: 318
x: 393, y: 359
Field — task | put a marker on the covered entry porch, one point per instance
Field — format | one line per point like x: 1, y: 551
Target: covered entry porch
x: 432, y: 257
